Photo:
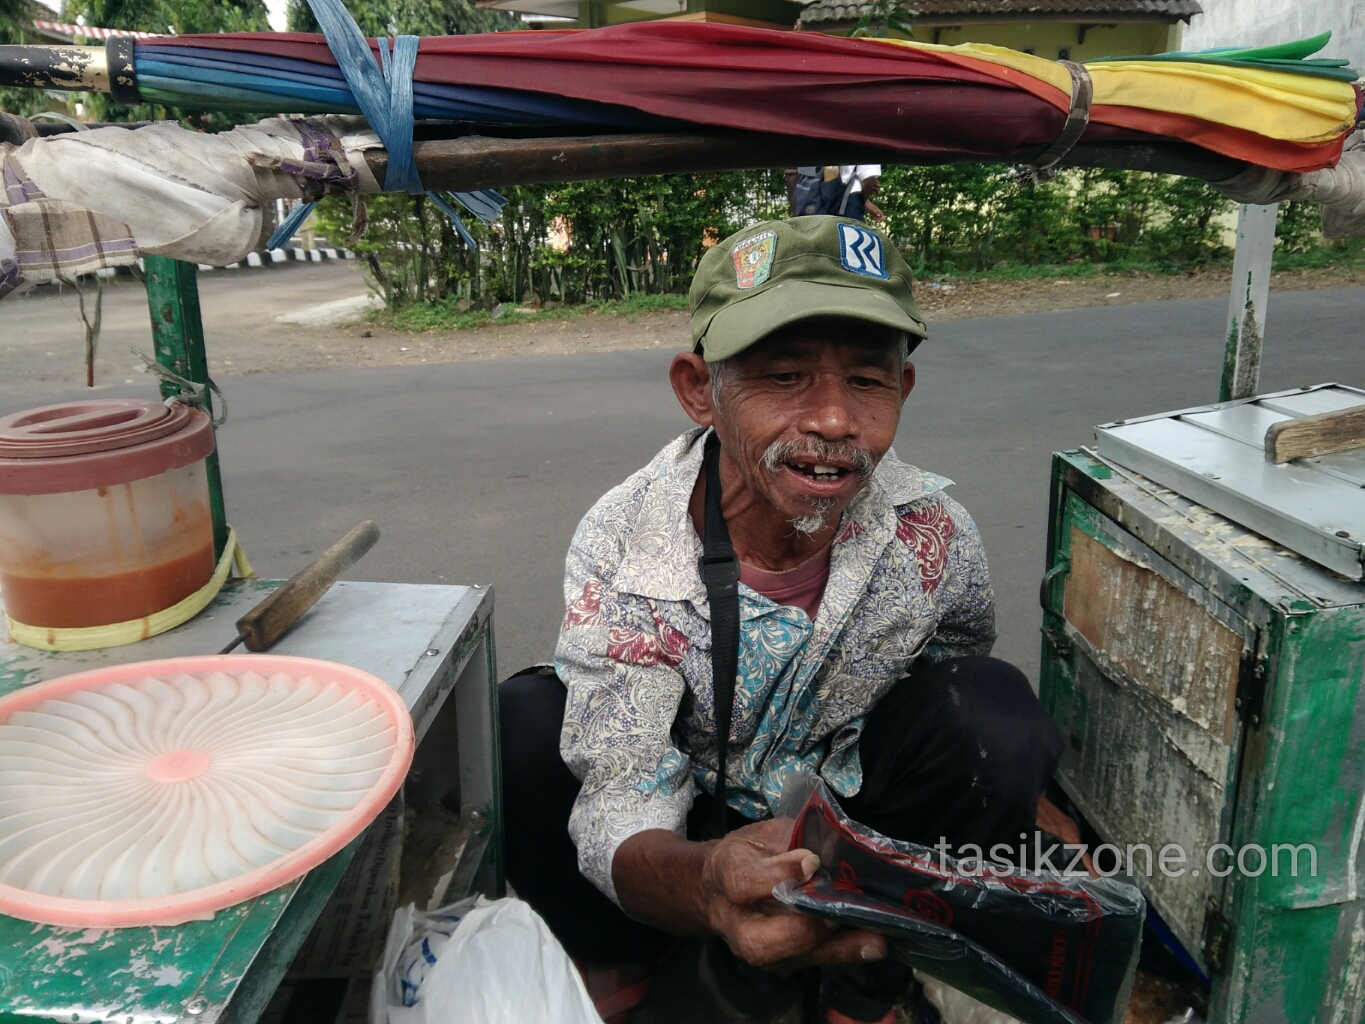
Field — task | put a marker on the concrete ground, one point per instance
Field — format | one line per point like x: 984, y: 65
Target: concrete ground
x: 478, y: 471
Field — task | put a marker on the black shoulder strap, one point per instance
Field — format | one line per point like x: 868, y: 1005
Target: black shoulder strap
x: 719, y: 570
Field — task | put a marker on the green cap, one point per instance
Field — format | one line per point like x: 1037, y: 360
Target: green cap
x: 783, y: 271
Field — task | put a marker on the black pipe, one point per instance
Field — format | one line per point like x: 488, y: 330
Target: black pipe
x: 120, y: 52
x: 17, y: 130
x: 46, y: 67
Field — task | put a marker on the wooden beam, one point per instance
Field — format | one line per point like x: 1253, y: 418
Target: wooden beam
x: 1307, y: 437
x: 473, y: 162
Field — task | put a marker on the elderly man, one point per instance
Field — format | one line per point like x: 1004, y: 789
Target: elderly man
x: 863, y: 621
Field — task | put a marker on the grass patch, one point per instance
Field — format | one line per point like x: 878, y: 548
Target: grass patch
x: 1349, y: 255
x: 1344, y: 256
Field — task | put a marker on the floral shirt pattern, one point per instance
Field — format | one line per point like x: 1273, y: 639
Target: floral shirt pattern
x: 907, y: 580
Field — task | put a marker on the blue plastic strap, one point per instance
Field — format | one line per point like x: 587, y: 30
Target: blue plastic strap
x: 358, y: 67
x: 402, y: 174
x: 289, y: 225
x: 449, y: 211
x: 486, y: 205
x: 384, y: 94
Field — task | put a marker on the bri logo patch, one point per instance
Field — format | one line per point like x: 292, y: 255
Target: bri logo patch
x: 861, y: 251
x: 754, y: 259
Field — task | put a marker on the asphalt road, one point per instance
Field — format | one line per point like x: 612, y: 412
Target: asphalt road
x: 477, y: 472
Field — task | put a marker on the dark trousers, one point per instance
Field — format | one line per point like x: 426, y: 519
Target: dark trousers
x: 960, y: 750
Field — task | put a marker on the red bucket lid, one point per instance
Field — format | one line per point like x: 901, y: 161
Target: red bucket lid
x: 75, y: 446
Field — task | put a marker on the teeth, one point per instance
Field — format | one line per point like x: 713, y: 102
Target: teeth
x: 802, y: 465
x: 826, y: 470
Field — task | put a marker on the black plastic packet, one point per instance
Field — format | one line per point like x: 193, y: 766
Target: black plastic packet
x: 1042, y: 947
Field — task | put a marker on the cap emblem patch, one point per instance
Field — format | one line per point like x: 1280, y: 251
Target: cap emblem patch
x: 861, y: 251
x: 754, y: 259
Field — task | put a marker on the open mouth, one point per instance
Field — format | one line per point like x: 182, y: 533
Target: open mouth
x: 816, y: 471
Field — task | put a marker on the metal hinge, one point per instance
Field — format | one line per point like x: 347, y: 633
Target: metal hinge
x: 1250, y: 700
x: 1217, y: 937
x: 1059, y: 643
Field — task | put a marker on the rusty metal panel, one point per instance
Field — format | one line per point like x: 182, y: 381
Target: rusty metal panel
x: 1157, y: 635
x: 1146, y: 697
x: 1136, y: 788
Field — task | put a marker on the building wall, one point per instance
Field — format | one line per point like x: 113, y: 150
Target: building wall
x: 1262, y: 22
x: 1059, y: 40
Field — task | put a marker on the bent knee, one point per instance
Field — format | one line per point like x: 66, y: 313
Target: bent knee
x: 994, y: 717
x: 530, y: 719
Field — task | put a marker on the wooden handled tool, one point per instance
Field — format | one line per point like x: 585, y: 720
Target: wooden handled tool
x: 267, y: 622
x: 1307, y: 437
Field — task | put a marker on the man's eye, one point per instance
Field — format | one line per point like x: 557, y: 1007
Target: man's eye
x: 786, y: 378
x: 865, y: 382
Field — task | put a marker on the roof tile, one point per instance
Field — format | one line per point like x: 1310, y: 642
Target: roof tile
x: 972, y: 10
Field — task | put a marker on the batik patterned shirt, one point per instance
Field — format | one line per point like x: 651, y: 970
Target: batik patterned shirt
x: 907, y: 580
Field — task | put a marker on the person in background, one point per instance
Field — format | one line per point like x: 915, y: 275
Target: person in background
x: 844, y: 190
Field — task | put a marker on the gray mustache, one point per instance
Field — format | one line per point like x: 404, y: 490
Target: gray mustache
x: 821, y: 452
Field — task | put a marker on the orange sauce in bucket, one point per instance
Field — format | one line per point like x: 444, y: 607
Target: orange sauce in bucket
x: 73, y: 602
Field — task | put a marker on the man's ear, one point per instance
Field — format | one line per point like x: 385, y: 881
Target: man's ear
x: 907, y: 381
x: 691, y: 379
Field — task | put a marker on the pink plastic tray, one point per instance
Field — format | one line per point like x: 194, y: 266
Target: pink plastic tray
x: 163, y: 791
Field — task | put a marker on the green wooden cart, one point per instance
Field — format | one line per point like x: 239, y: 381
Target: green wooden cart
x: 434, y: 645
x: 1208, y: 683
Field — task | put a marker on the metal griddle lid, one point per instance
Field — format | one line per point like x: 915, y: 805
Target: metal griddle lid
x: 1215, y: 455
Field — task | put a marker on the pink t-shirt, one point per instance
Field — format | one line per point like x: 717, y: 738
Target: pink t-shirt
x: 801, y: 587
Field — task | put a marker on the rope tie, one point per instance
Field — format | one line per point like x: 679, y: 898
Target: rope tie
x: 383, y: 91
x: 191, y: 393
x: 1044, y: 167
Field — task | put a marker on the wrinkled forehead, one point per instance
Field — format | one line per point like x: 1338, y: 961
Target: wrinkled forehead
x: 848, y: 343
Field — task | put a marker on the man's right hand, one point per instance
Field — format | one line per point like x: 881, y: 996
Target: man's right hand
x: 737, y: 883
x: 725, y: 888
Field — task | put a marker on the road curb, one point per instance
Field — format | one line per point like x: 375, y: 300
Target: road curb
x: 255, y: 260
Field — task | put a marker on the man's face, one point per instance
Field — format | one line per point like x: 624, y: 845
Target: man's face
x: 809, y: 412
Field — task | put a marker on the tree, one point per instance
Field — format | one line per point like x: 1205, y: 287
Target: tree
x: 410, y: 17
x: 16, y: 28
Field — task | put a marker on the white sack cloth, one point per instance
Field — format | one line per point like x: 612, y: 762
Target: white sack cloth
x: 89, y: 200
x: 1340, y: 189
x: 477, y: 962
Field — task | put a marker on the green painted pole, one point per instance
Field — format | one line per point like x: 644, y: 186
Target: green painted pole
x: 178, y: 334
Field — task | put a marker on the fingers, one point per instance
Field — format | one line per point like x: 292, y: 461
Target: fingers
x: 847, y: 946
x: 766, y: 940
x: 772, y: 835
x: 793, y: 940
x: 748, y: 876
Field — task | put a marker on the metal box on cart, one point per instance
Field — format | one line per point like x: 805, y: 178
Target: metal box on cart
x: 1208, y: 683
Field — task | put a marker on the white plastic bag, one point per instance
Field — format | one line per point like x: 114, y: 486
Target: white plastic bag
x: 956, y: 1007
x: 477, y: 962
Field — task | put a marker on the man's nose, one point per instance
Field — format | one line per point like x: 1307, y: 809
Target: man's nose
x: 827, y: 413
